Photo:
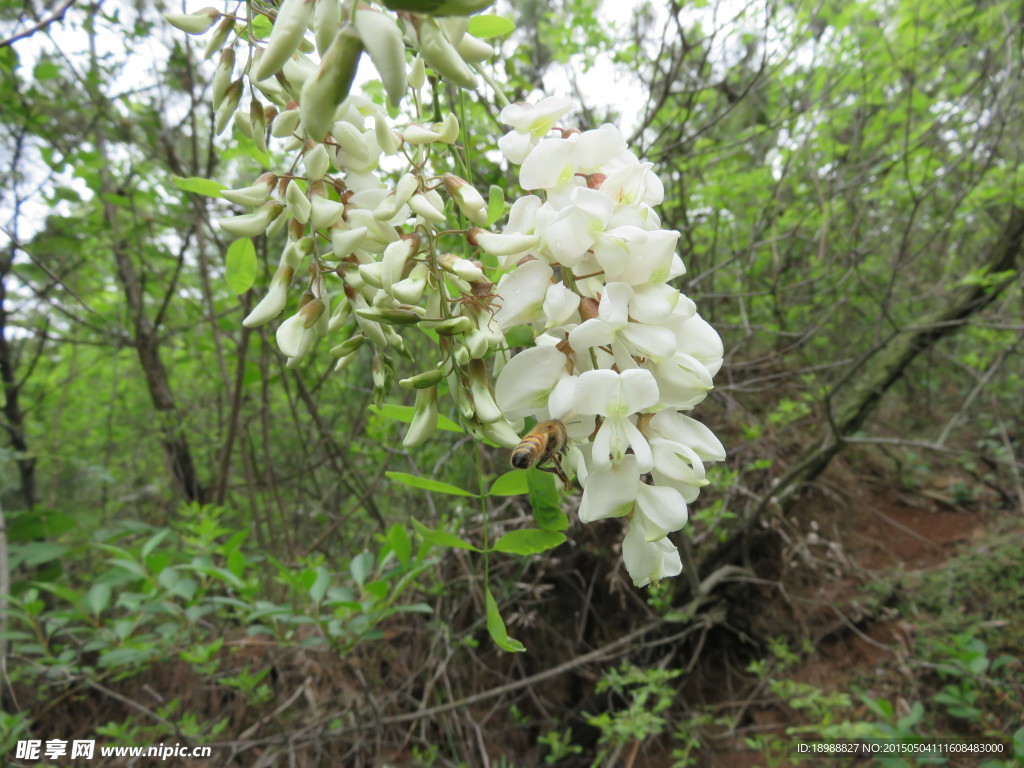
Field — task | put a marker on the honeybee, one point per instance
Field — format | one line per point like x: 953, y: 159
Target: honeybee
x: 545, y: 442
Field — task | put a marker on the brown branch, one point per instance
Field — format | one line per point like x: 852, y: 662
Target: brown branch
x: 58, y: 15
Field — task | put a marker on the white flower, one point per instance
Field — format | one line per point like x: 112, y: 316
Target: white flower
x: 616, y: 397
x: 648, y: 561
x: 696, y: 338
x: 637, y: 256
x: 529, y: 124
x: 536, y: 383
x: 613, y: 324
x: 609, y: 492
x: 522, y: 293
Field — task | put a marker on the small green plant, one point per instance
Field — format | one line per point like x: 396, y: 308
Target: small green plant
x: 559, y: 744
x: 648, y: 694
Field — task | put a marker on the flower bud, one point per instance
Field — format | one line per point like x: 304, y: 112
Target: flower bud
x: 421, y: 206
x: 273, y: 303
x: 417, y: 134
x: 326, y: 19
x: 257, y: 194
x: 417, y: 74
x: 324, y: 213
x: 395, y: 316
x: 258, y: 120
x: 383, y: 41
x: 509, y: 244
x: 589, y: 308
x: 438, y: 52
x: 473, y: 50
x: 424, y: 420
x: 461, y: 268
x: 227, y: 106
x: 422, y: 380
x: 222, y: 77
x: 483, y: 398
x: 395, y: 257
x: 466, y: 196
x: 219, y: 36
x: 344, y: 240
x: 410, y: 290
x: 354, y: 144
x: 447, y: 130
x: 316, y: 161
x: 285, y: 124
x: 324, y: 91
x: 349, y: 346
x: 387, y: 139
x: 453, y: 326
x: 289, y: 27
x: 340, y: 315
x: 251, y: 224
x: 501, y: 433
x: 298, y: 204
x: 193, y: 23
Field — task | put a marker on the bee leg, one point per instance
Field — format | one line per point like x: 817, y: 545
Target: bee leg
x: 557, y: 470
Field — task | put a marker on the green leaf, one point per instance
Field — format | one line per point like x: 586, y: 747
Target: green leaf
x: 487, y: 25
x: 398, y: 538
x: 529, y: 541
x: 361, y: 566
x: 495, y: 204
x: 154, y: 542
x: 36, y: 553
x: 241, y: 265
x: 512, y: 483
x: 319, y: 588
x: 261, y: 26
x: 427, y: 484
x: 404, y: 414
x: 441, y: 538
x: 97, y: 598
x: 198, y: 185
x: 545, y: 501
x: 496, y: 627
x: 520, y: 336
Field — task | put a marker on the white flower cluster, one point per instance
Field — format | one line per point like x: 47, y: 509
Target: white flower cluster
x: 619, y: 352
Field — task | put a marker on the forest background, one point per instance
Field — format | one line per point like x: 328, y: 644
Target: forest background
x: 200, y: 545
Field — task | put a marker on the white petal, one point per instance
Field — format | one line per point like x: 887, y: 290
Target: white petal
x: 516, y: 146
x: 521, y: 295
x: 550, y: 163
x: 653, y: 303
x: 650, y: 340
x: 537, y: 118
x: 522, y: 214
x: 569, y: 237
x: 663, y: 510
x: 690, y: 432
x: 526, y: 381
x: 639, y: 389
x: 289, y: 335
x: 610, y: 492
x: 596, y: 390
x: 700, y: 340
x: 563, y: 397
x: 591, y: 333
x: 682, y: 380
x: 270, y: 306
x: 614, y: 306
x: 560, y: 305
x: 648, y: 561
x: 597, y: 147
x: 641, y: 448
